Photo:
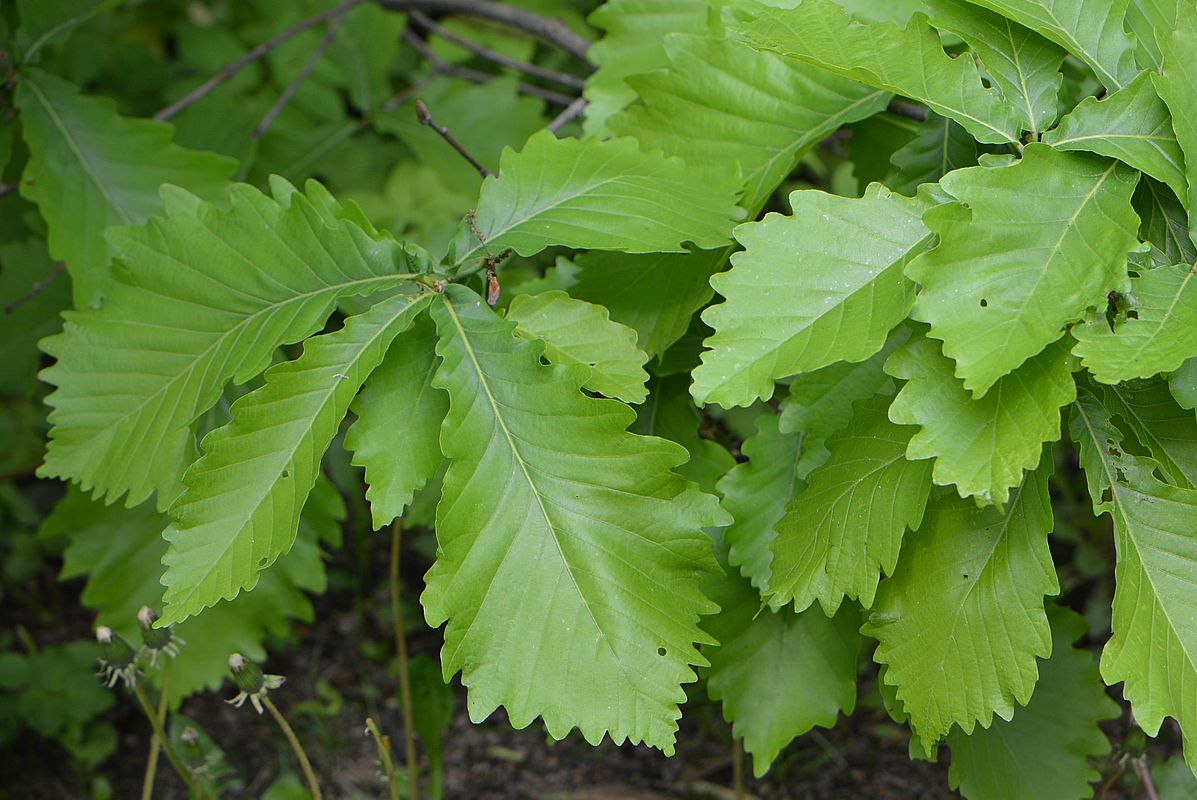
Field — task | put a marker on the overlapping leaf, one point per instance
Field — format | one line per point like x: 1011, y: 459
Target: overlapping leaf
x: 396, y: 437
x: 570, y: 557
x: 777, y: 673
x: 1183, y: 384
x: 241, y: 502
x: 47, y: 21
x: 671, y: 414
x: 755, y: 492
x: 961, y: 621
x: 938, y: 147
x: 908, y: 62
x: 1151, y: 21
x: 1092, y: 30
x: 1046, y: 750
x: 1177, y: 84
x: 1157, y: 334
x: 721, y: 102
x: 1167, y: 431
x: 200, y: 297
x: 1165, y: 223
x: 602, y: 195
x: 982, y: 446
x: 1132, y: 125
x: 577, y: 332
x: 1153, y: 648
x: 847, y: 525
x: 90, y: 168
x: 1024, y: 65
x: 821, y: 286
x: 1028, y: 249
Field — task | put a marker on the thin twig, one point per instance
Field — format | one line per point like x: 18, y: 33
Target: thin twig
x: 233, y: 67
x: 334, y: 25
x: 409, y: 719
x: 430, y: 25
x: 738, y: 768
x: 1145, y: 777
x: 1101, y: 792
x: 305, y: 765
x: 384, y: 755
x: 37, y: 289
x: 441, y: 67
x: 904, y: 108
x: 552, y: 31
x: 426, y: 119
x: 568, y: 115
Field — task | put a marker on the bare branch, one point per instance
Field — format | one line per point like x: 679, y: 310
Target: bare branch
x: 428, y: 24
x: 426, y: 119
x: 233, y: 67
x: 553, y: 31
x: 37, y: 289
x: 571, y: 112
x: 334, y: 25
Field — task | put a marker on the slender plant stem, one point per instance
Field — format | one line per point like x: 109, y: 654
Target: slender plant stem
x: 1145, y: 778
x: 169, y: 749
x: 308, y: 773
x: 1101, y: 793
x: 426, y: 119
x: 384, y: 755
x: 430, y: 25
x: 151, y: 763
x: 233, y: 67
x: 330, y: 34
x: 409, y: 723
x: 569, y: 114
x: 738, y: 768
x: 37, y: 289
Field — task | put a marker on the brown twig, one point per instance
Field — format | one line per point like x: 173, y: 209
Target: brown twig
x: 441, y: 67
x: 37, y: 289
x: 431, y: 26
x: 568, y: 115
x: 409, y: 721
x: 1145, y: 778
x: 1105, y: 787
x: 552, y: 31
x: 334, y: 25
x: 233, y: 67
x: 904, y: 108
x: 426, y: 119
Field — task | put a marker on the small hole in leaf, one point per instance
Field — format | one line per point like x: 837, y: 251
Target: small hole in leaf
x: 544, y: 362
x: 1106, y: 495
x: 965, y: 576
x: 661, y: 651
x: 262, y: 561
x: 1132, y: 314
x: 286, y: 473
x: 984, y: 303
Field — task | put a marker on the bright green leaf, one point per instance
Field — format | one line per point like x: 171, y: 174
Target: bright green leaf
x: 777, y: 673
x: 755, y: 492
x: 91, y: 168
x: 824, y: 285
x: 982, y: 446
x: 1028, y: 249
x: 1132, y: 125
x: 1164, y: 222
x: 1092, y: 30
x: 1167, y: 431
x: 1024, y: 65
x: 1153, y: 648
x: 961, y: 621
x: 1183, y: 384
x: 570, y: 557
x: 396, y: 437
x: 1177, y: 84
x: 200, y: 297
x: 577, y: 332
x: 1158, y: 333
x: 908, y: 62
x: 602, y: 195
x: 938, y: 147
x: 1045, y: 751
x: 241, y: 502
x: 1151, y: 21
x: 847, y: 525
x: 721, y: 102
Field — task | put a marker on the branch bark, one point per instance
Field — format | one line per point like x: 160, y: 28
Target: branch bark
x: 552, y: 31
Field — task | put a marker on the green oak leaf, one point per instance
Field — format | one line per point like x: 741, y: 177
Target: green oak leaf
x: 1177, y: 84
x: 570, y: 557
x: 847, y: 525
x: 982, y: 446
x: 577, y: 332
x: 1026, y: 250
x: 823, y: 285
x: 961, y: 621
x: 939, y: 147
x: 1157, y: 334
x: 1153, y: 649
x: 909, y: 62
x: 1046, y: 750
x: 1168, y: 431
